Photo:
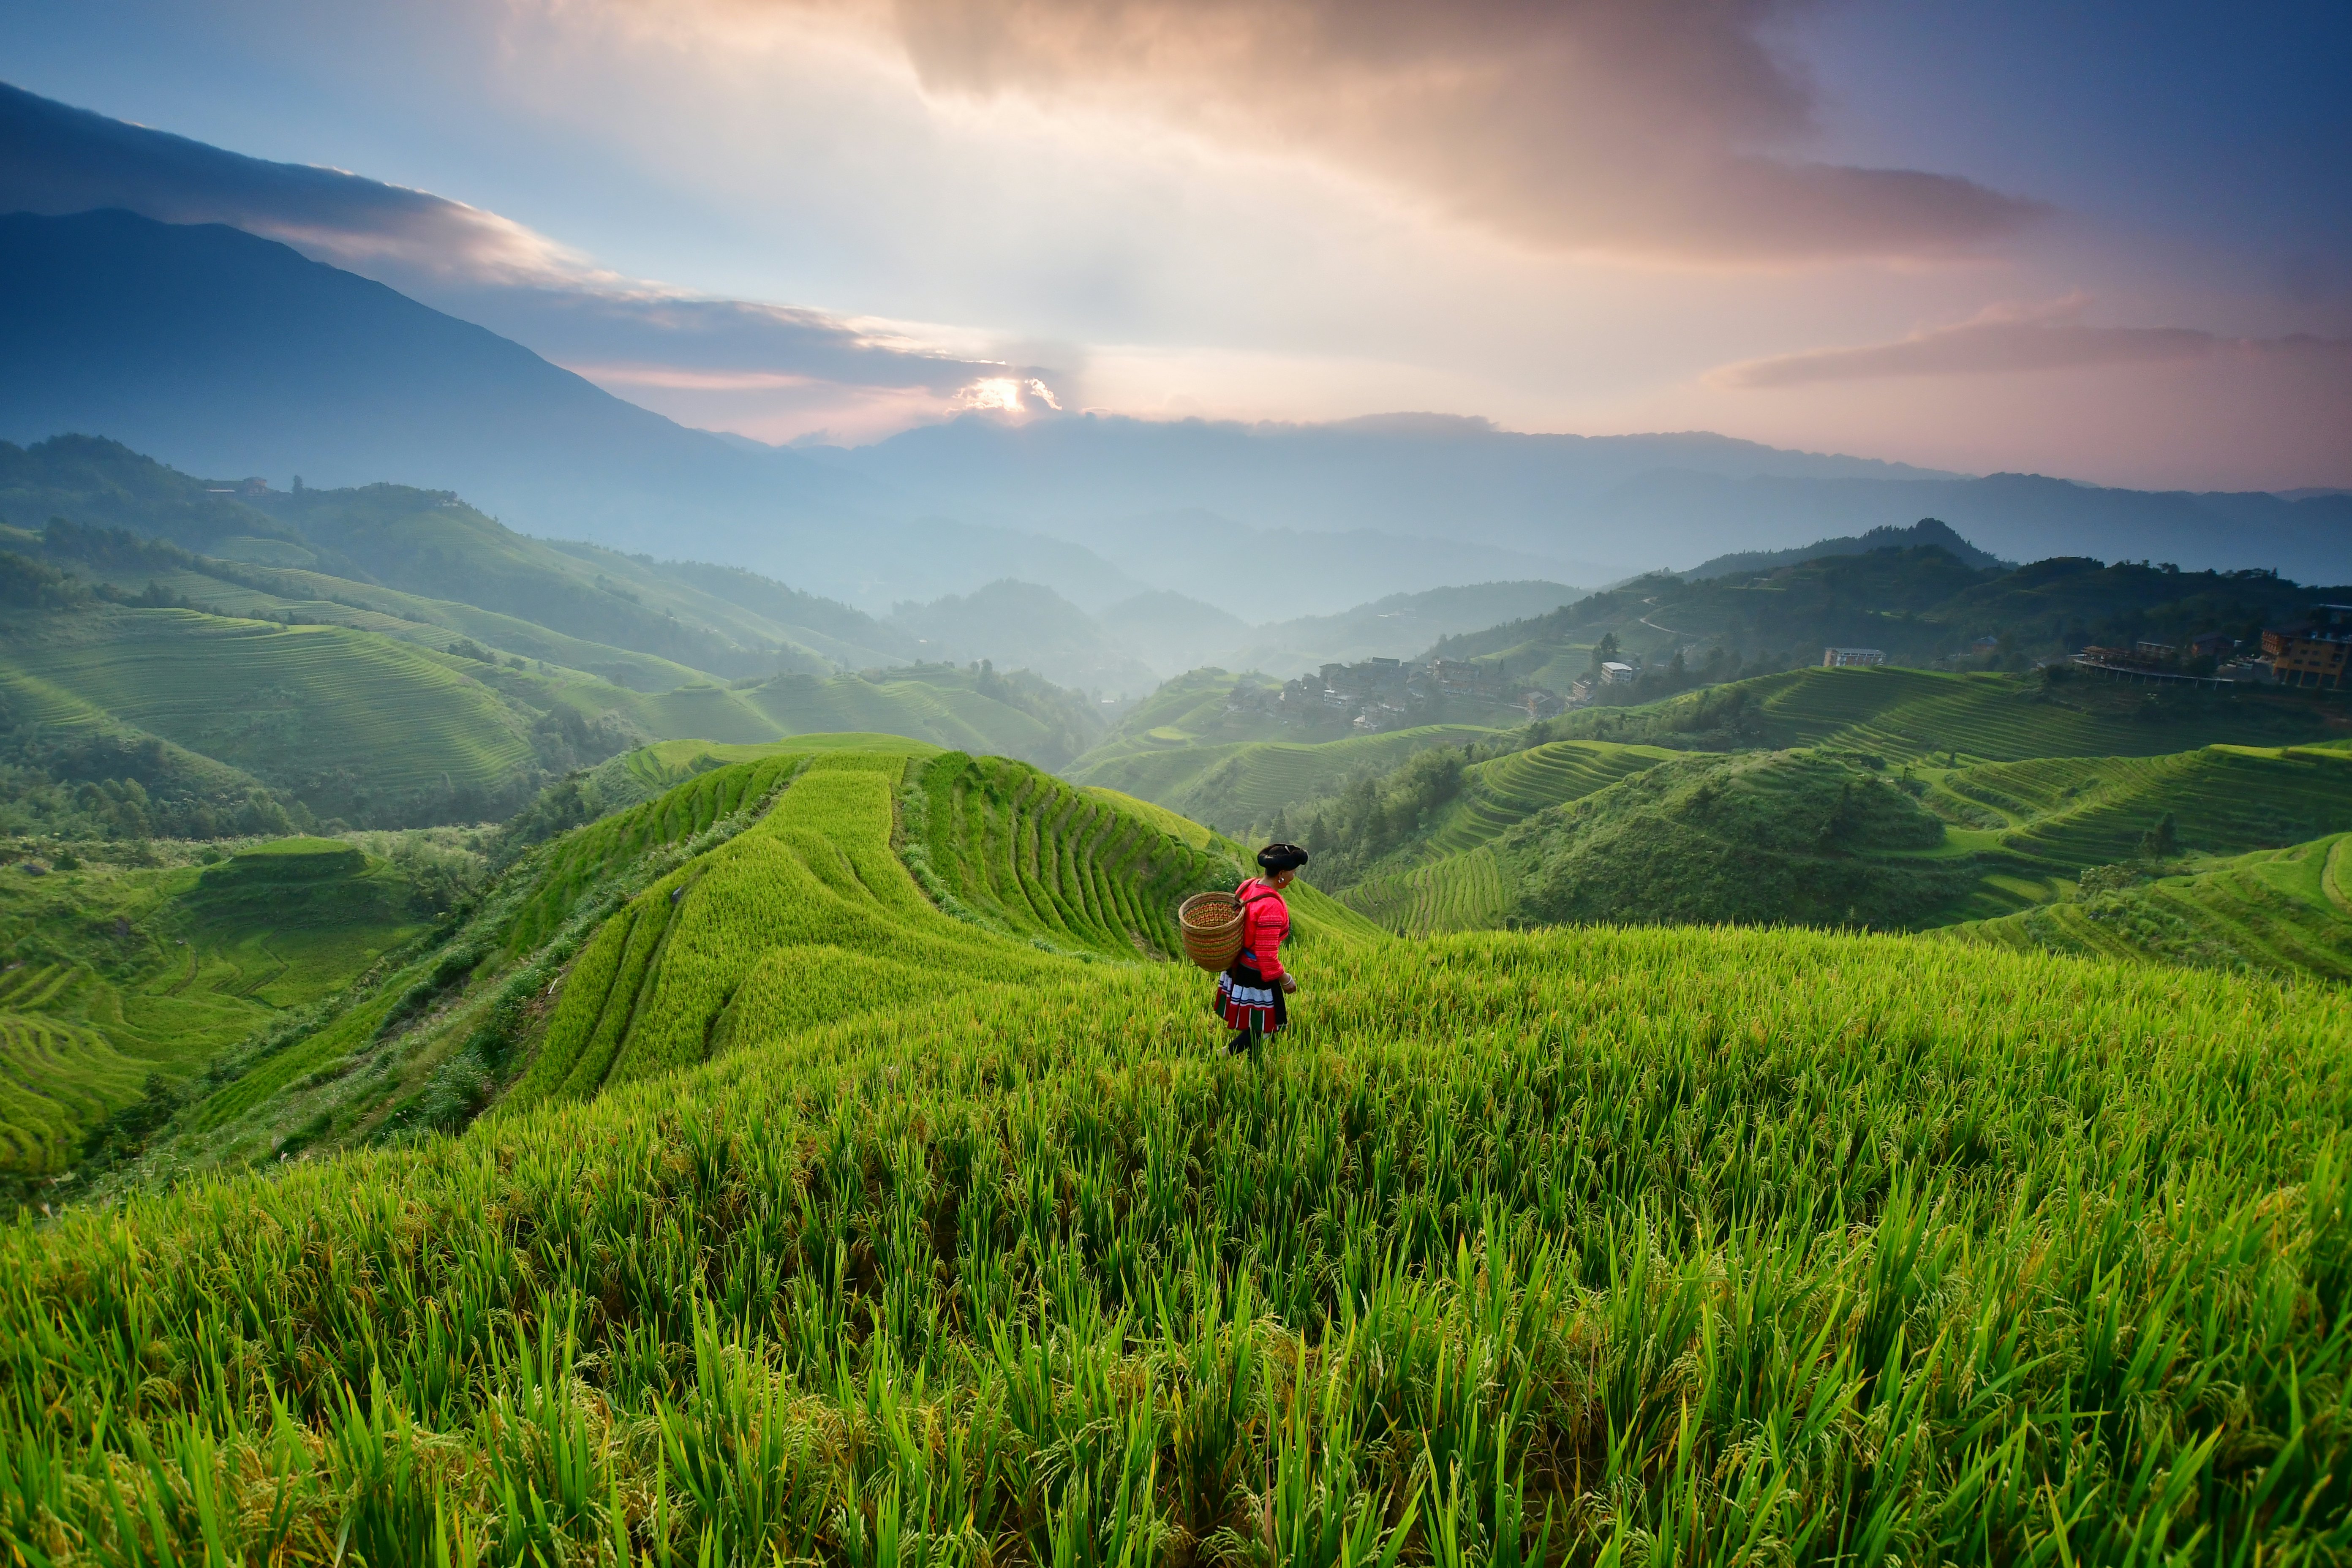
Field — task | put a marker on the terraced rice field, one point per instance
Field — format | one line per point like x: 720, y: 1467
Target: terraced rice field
x: 810, y: 915
x: 1463, y: 891
x: 1035, y: 857
x: 57, y: 1081
x: 1502, y: 792
x: 2287, y: 912
x: 943, y: 714
x: 1181, y: 829
x: 1915, y: 713
x: 315, y: 597
x: 109, y: 976
x: 1248, y: 781
x: 282, y: 703
x: 807, y: 914
x: 2073, y: 813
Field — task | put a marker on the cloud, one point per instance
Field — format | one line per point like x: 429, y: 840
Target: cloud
x: 491, y: 271
x: 2007, y: 339
x: 57, y: 159
x: 1635, y: 127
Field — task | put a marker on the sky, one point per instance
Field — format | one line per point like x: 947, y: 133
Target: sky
x: 2113, y: 244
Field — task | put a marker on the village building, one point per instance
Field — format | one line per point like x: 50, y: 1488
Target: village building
x: 2314, y: 653
x: 1840, y: 657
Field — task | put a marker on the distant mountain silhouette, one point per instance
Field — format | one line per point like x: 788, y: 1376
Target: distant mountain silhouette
x: 1926, y: 531
x: 221, y: 353
x: 1583, y: 509
x: 225, y: 353
x: 2018, y: 517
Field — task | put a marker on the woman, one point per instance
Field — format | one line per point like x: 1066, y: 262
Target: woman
x: 1251, y: 995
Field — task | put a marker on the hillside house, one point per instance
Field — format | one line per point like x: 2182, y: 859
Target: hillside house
x: 1984, y: 646
x: 1840, y: 658
x: 2210, y: 645
x: 1617, y: 674
x: 2154, y: 652
x: 2314, y: 653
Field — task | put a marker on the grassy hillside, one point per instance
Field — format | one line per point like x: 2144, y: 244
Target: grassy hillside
x: 344, y: 719
x: 1504, y: 790
x: 818, y: 878
x: 2284, y: 912
x: 2049, y: 819
x: 1770, y: 837
x: 1443, y: 876
x: 1244, y: 782
x: 404, y: 541
x: 1187, y: 711
x: 384, y: 727
x: 1024, y: 853
x: 1917, y: 714
x: 2014, y: 837
x: 118, y: 984
x: 1918, y: 604
x: 1574, y: 1247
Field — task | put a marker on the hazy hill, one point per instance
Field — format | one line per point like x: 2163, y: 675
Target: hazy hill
x: 1926, y: 531
x: 1678, y: 516
x: 1130, y: 648
x: 1262, y: 571
x: 1590, y: 509
x: 1033, y: 627
x: 429, y: 544
x: 1917, y: 604
x: 1401, y: 626
x: 1172, y: 631
x: 225, y: 353
x: 1462, y: 481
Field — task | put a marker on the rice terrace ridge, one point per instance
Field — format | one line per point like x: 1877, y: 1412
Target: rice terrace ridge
x: 1080, y: 787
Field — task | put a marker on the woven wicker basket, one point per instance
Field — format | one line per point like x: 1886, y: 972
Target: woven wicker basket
x: 1211, y: 924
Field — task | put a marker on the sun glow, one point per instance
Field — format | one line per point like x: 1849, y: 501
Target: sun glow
x: 1005, y: 394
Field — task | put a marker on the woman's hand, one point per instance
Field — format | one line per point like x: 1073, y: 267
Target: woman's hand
x: 1290, y: 985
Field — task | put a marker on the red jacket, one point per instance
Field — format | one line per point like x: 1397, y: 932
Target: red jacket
x: 1265, y: 922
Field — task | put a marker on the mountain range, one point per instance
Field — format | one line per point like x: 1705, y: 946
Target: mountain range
x: 221, y: 351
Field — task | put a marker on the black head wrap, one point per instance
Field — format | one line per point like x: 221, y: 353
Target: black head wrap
x: 1281, y: 857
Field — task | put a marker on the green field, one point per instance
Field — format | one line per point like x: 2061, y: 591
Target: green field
x: 1502, y: 792
x: 113, y: 976
x: 1462, y: 891
x: 2284, y: 912
x: 1248, y: 781
x: 1579, y: 1245
x: 281, y: 703
x: 2002, y: 717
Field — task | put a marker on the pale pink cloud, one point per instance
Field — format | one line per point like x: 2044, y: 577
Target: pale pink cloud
x: 1635, y: 128
x: 2011, y: 339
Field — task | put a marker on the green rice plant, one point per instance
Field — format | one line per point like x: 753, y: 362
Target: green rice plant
x: 1587, y: 1244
